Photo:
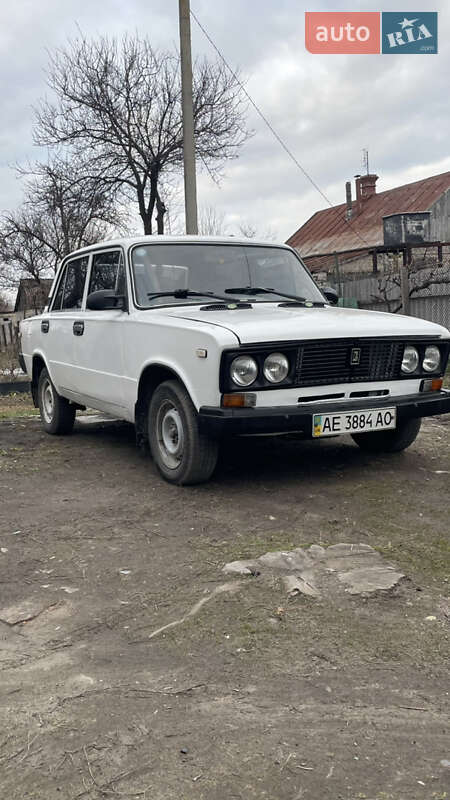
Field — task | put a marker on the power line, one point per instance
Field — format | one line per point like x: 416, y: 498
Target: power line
x: 269, y: 125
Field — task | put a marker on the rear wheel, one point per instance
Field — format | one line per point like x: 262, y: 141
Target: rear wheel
x: 181, y: 453
x: 389, y: 441
x: 57, y: 414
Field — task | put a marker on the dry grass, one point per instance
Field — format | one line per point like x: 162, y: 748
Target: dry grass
x: 17, y: 404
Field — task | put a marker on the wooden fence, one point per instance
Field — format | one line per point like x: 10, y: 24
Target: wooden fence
x: 8, y: 333
x: 9, y: 327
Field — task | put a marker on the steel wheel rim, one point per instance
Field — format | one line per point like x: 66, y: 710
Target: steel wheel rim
x: 170, y: 434
x: 48, y: 401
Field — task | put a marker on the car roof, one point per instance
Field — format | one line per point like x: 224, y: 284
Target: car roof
x: 156, y: 239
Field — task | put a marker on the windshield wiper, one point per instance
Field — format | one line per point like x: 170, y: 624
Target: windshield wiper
x: 183, y: 294
x: 263, y: 290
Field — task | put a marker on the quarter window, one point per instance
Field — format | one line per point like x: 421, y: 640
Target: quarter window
x: 58, y: 296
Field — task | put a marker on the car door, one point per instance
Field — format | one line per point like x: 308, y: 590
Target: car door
x: 98, y: 343
x: 58, y: 327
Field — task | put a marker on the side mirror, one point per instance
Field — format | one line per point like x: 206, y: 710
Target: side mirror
x: 331, y: 295
x: 105, y: 300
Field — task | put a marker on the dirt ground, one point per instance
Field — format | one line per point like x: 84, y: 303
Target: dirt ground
x: 255, y: 696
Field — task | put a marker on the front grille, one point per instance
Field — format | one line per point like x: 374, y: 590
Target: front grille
x: 329, y: 361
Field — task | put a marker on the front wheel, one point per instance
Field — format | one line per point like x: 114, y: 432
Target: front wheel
x: 389, y: 441
x: 181, y: 453
x: 57, y: 414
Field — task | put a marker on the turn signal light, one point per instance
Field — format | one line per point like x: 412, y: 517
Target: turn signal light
x: 247, y: 400
x: 433, y: 385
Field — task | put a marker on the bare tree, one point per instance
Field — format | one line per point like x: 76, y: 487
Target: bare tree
x: 247, y: 230
x: 23, y: 252
x: 250, y: 231
x: 120, y: 102
x: 63, y: 210
x: 212, y: 222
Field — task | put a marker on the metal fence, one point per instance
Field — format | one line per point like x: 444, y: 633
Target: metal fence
x: 424, y: 288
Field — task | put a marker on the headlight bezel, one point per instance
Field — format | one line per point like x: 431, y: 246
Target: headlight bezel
x: 421, y: 348
x: 259, y: 355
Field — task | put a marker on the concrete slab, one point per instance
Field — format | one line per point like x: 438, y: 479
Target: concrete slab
x: 358, y: 567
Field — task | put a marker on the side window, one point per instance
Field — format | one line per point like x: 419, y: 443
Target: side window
x: 70, y: 291
x: 107, y: 272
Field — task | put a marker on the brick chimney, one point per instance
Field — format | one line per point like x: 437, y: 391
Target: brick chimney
x: 365, y: 189
x: 348, y: 200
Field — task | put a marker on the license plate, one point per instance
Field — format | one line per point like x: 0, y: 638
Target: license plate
x: 374, y: 419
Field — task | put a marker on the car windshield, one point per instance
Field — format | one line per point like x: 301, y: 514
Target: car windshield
x: 215, y: 268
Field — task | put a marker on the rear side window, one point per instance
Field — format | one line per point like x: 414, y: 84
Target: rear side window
x: 69, y: 295
x: 107, y: 272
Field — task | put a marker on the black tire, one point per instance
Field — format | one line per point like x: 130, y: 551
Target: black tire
x: 57, y: 414
x: 389, y: 441
x: 181, y: 453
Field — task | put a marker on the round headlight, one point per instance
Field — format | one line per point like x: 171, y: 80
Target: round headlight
x: 410, y: 359
x: 432, y: 359
x: 243, y: 370
x: 276, y: 367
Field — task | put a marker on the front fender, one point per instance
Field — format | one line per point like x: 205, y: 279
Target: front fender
x: 201, y: 380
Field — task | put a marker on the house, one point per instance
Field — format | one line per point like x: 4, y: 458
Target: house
x: 342, y: 236
x: 32, y: 295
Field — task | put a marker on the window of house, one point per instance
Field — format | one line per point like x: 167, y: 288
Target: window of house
x: 108, y: 272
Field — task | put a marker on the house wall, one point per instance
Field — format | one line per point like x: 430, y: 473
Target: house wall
x: 349, y: 266
x: 440, y: 219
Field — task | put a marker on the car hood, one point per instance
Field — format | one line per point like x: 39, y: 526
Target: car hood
x: 267, y: 322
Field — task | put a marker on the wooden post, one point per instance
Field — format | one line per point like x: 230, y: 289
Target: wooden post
x: 404, y: 279
x: 337, y: 273
x: 374, y: 262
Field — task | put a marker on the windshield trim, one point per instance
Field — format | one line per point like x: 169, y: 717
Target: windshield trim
x: 206, y: 244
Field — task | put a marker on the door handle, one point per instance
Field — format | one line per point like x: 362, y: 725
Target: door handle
x: 78, y: 328
x: 45, y: 325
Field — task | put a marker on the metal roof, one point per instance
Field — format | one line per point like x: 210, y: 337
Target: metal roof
x: 328, y: 231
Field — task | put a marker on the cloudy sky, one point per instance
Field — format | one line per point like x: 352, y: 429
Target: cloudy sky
x: 326, y: 108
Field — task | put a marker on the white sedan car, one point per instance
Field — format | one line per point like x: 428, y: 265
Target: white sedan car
x: 195, y: 338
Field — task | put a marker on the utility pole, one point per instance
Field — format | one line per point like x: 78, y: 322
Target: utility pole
x: 190, y: 180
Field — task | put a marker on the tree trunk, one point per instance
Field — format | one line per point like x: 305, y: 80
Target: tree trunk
x: 147, y: 220
x: 161, y: 210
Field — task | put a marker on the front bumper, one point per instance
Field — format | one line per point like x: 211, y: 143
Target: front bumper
x: 216, y: 421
